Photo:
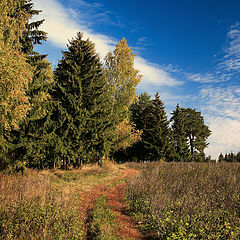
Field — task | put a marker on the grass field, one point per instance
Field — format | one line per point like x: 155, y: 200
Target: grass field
x: 187, y: 200
x: 166, y: 201
x: 48, y: 204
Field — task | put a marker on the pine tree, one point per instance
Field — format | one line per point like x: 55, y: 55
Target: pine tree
x: 180, y: 142
x: 83, y: 103
x: 197, y: 133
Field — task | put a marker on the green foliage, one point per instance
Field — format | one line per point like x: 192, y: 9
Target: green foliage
x: 103, y: 223
x: 31, y: 34
x: 181, y: 151
x: 150, y: 117
x: 187, y: 200
x: 197, y: 133
x: 156, y: 134
x: 229, y: 157
x: 83, y: 102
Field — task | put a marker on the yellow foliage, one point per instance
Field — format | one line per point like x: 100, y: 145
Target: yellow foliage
x: 15, y: 72
x: 127, y: 135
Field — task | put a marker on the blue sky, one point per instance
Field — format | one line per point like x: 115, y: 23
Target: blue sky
x: 188, y: 51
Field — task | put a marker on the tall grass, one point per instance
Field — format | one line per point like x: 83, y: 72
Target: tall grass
x: 31, y: 208
x: 187, y: 200
x: 47, y: 204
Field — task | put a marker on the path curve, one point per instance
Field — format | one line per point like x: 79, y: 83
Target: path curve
x: 115, y: 193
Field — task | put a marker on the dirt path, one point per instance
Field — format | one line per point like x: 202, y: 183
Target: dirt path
x: 115, y: 193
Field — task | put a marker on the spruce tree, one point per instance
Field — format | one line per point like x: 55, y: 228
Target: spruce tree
x: 150, y: 117
x: 31, y: 35
x: 139, y: 115
x: 33, y: 136
x: 83, y: 104
x: 156, y: 135
x: 179, y: 139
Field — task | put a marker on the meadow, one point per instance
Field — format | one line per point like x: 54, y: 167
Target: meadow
x: 51, y: 204
x: 187, y: 200
x: 165, y: 201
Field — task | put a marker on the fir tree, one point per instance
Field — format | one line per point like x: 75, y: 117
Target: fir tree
x: 156, y: 135
x: 179, y: 139
x: 83, y: 103
x: 139, y: 115
x: 34, y: 136
x: 31, y: 34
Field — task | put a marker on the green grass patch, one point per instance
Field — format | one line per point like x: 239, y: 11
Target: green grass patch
x: 103, y: 222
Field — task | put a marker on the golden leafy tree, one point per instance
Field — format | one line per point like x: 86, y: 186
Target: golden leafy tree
x: 123, y: 79
x: 15, y: 72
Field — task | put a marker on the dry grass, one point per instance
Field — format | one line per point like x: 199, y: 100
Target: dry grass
x: 45, y: 204
x: 188, y: 200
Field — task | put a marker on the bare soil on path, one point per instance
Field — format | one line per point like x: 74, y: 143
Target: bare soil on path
x: 115, y: 192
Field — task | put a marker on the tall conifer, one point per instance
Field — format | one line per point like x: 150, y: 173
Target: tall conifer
x: 181, y: 152
x: 156, y: 135
x: 83, y: 103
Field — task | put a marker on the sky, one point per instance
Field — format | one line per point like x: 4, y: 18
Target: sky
x: 188, y: 51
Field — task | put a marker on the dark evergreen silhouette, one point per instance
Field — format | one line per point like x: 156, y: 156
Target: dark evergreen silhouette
x: 197, y: 133
x: 181, y: 151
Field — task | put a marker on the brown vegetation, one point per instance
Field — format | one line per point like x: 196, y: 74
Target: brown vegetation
x: 187, y: 200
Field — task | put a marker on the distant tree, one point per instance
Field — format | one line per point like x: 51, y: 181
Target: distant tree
x: 150, y: 117
x: 197, y: 133
x: 157, y: 138
x: 181, y: 151
x: 238, y: 157
x: 122, y: 80
x: 221, y: 158
x: 83, y: 107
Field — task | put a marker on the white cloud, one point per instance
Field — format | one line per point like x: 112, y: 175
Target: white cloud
x: 222, y: 115
x: 62, y: 26
x: 153, y: 75
x: 231, y: 60
x: 203, y: 77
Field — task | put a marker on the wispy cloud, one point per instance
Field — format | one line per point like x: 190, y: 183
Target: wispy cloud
x: 231, y: 60
x: 61, y: 27
x: 222, y: 114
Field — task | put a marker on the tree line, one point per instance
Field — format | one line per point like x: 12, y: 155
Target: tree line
x: 229, y: 157
x: 85, y: 110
